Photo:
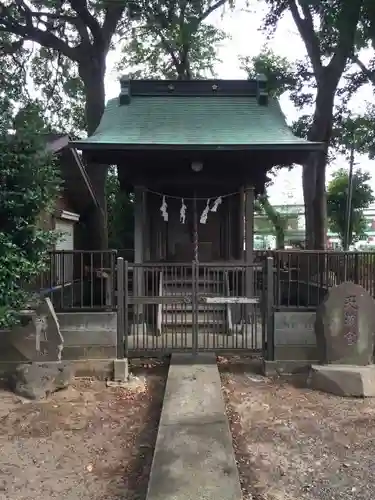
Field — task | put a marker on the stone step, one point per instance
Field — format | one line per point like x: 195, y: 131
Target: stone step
x: 87, y: 321
x: 203, y: 465
x: 198, y: 281
x: 181, y: 318
x: 186, y: 290
x: 88, y: 329
x: 203, y: 329
x: 204, y: 308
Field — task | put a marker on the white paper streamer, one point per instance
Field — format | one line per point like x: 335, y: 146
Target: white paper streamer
x: 216, y: 204
x: 164, y: 210
x: 183, y: 212
x: 204, y: 215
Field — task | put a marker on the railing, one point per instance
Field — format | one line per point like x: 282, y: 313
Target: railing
x: 303, y: 277
x: 228, y: 306
x: 80, y: 280
x: 184, y: 307
x: 160, y: 306
x: 86, y: 280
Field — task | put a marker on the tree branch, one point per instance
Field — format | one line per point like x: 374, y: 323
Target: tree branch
x: 347, y: 23
x: 29, y: 32
x: 305, y: 27
x: 74, y: 21
x: 212, y: 9
x: 112, y: 17
x: 80, y: 6
x: 365, y: 70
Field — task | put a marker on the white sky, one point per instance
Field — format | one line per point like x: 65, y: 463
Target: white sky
x: 246, y: 39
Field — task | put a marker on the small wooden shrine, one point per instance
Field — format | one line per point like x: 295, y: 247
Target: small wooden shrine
x: 195, y: 153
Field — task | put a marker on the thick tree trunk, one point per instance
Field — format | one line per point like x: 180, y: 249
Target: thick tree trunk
x: 314, y: 171
x: 92, y: 74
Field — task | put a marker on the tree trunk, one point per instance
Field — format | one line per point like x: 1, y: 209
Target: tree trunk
x: 314, y: 170
x: 92, y: 73
x: 276, y: 219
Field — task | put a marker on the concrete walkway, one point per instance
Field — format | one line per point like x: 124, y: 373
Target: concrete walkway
x: 193, y: 458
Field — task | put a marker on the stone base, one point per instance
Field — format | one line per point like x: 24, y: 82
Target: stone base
x: 138, y: 329
x: 285, y: 367
x: 344, y: 380
x: 121, y: 370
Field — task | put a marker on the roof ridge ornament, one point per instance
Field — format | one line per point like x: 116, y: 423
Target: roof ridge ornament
x: 262, y: 92
x: 125, y: 95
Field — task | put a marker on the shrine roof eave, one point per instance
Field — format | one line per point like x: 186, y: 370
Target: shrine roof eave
x: 300, y: 146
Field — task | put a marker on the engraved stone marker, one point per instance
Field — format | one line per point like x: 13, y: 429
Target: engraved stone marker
x: 345, y: 326
x: 294, y: 328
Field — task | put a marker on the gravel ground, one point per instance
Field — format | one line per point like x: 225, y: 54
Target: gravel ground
x: 87, y: 442
x: 294, y: 443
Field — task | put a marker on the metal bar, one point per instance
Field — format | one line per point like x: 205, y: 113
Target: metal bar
x: 195, y: 231
x: 194, y: 309
x: 126, y: 308
x: 230, y: 300
x: 270, y: 334
x: 155, y: 300
x: 120, y: 351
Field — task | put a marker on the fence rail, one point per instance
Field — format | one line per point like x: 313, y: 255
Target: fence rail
x: 86, y: 280
x: 80, y: 280
x: 303, y: 277
x: 189, y: 307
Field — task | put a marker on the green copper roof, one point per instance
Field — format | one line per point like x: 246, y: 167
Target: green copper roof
x: 203, y: 120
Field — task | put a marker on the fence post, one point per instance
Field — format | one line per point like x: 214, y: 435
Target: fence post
x: 126, y: 308
x: 195, y: 305
x: 356, y: 268
x: 120, y: 346
x: 269, y: 306
x: 113, y: 279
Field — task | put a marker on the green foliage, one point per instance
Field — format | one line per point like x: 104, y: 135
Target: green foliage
x: 172, y: 40
x: 29, y: 185
x: 61, y: 47
x: 280, y: 72
x: 150, y: 58
x: 120, y: 210
x: 61, y: 90
x: 362, y: 198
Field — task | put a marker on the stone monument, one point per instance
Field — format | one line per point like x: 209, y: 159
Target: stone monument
x: 40, y: 339
x: 345, y: 329
x: 41, y: 343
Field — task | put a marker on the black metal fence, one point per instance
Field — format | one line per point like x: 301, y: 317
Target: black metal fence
x: 303, y: 277
x: 199, y: 307
x: 80, y: 280
x: 189, y: 307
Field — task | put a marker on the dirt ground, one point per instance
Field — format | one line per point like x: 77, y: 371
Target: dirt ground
x: 86, y: 442
x: 294, y: 443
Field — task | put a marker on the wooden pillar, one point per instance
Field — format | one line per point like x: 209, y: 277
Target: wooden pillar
x: 229, y: 232
x: 241, y: 222
x: 249, y: 239
x: 147, y: 227
x: 139, y: 226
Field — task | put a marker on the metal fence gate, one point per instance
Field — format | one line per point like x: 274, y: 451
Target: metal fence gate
x: 165, y: 308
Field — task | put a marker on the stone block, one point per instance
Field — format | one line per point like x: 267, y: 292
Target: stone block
x: 39, y: 380
x: 345, y: 326
x: 344, y: 380
x: 39, y: 337
x: 120, y: 370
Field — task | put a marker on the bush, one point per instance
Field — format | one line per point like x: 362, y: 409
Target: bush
x: 29, y: 186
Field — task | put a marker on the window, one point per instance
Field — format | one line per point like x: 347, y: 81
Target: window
x: 64, y: 262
